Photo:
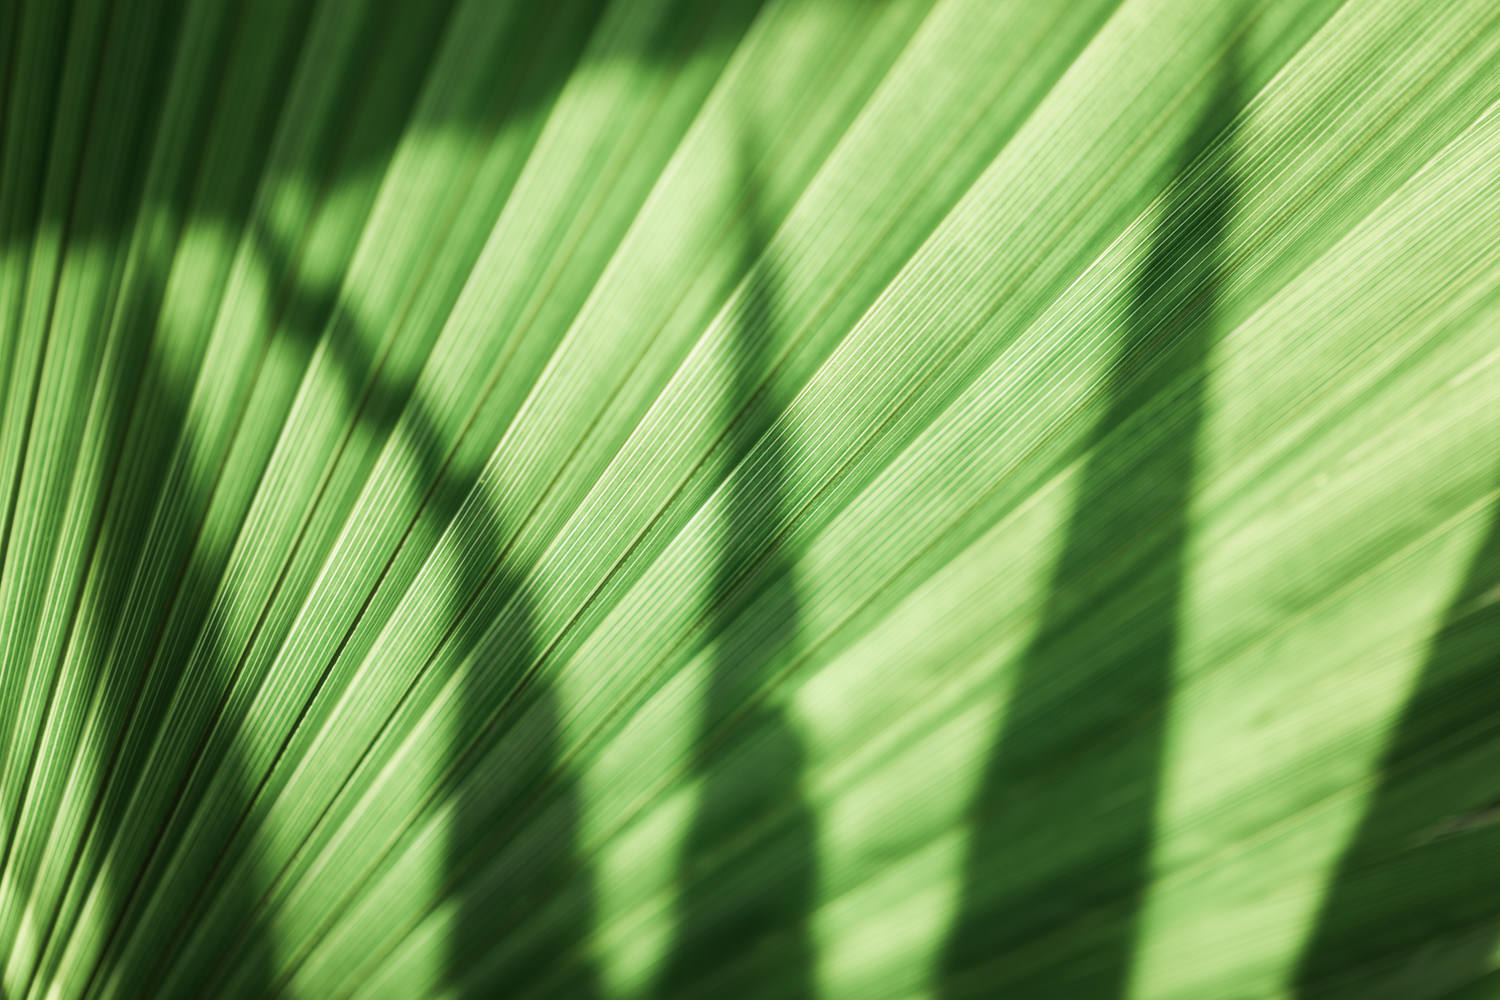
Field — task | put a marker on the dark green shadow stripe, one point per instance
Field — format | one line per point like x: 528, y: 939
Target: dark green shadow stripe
x: 1081, y: 748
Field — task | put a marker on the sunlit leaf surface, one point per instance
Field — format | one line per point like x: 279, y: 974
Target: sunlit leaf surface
x: 805, y: 498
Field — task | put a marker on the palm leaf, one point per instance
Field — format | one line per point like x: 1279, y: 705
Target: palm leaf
x: 838, y: 498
